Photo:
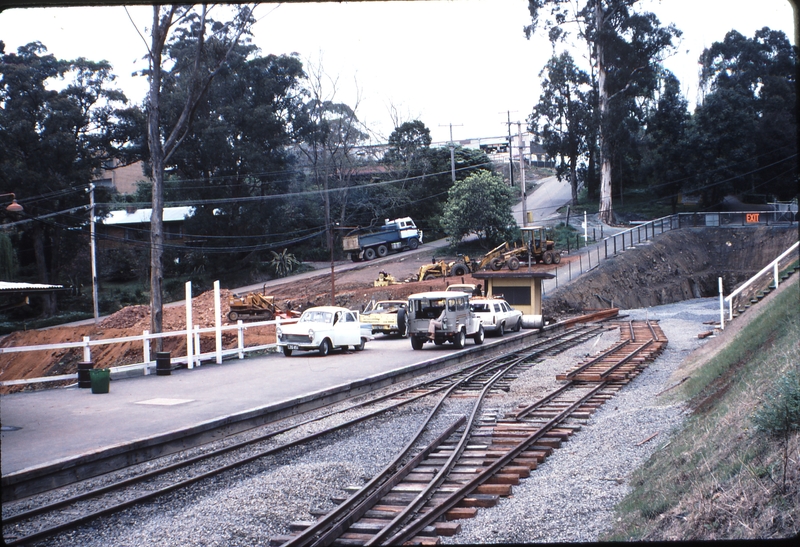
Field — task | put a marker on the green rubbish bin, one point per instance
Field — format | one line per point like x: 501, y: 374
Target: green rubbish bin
x: 101, y: 378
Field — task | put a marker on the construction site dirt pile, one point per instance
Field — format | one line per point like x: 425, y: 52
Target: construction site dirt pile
x: 675, y: 266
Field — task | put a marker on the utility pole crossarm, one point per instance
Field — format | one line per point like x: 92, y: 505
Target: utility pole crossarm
x: 452, y: 151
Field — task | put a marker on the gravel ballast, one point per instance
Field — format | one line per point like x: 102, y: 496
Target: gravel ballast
x: 568, y: 498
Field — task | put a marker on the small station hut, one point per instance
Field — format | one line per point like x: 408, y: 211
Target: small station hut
x: 522, y: 288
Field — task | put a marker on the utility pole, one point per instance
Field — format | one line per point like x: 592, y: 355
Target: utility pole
x: 522, y: 175
x: 93, y: 251
x: 452, y: 152
x: 510, y: 151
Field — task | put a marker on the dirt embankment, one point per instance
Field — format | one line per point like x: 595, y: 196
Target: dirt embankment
x: 679, y: 265
x: 676, y: 266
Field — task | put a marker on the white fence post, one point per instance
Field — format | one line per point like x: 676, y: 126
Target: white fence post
x: 146, y: 351
x: 775, y: 274
x: 240, y: 331
x: 87, y: 351
x: 189, y: 351
x: 217, y: 323
x: 721, y: 307
x: 197, y: 343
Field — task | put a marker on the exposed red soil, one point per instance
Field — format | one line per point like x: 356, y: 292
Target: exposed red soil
x: 353, y: 289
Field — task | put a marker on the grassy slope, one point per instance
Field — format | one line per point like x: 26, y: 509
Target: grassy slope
x: 720, y: 477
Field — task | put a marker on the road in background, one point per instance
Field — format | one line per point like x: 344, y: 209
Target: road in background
x: 549, y: 195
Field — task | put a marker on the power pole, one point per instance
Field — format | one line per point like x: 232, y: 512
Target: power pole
x: 522, y: 174
x: 510, y: 152
x: 452, y: 152
x: 92, y: 251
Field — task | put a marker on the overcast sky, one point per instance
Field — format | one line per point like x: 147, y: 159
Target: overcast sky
x: 460, y: 62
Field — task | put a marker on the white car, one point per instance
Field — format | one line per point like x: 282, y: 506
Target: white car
x: 496, y: 315
x: 442, y: 316
x: 322, y: 329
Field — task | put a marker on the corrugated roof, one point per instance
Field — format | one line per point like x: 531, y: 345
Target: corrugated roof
x: 142, y: 216
x: 17, y: 287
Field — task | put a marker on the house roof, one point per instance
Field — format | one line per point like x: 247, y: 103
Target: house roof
x: 518, y: 274
x: 7, y: 287
x: 142, y: 216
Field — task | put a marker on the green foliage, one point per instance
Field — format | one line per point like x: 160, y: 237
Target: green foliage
x: 283, y: 263
x: 8, y: 259
x: 53, y: 140
x: 666, y: 146
x: 481, y: 205
x: 716, y: 473
x: 779, y: 414
x: 563, y: 116
x: 744, y: 134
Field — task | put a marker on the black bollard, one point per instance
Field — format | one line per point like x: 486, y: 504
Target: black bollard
x: 84, y: 374
x: 163, y: 365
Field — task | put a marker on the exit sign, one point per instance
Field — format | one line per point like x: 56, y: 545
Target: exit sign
x: 751, y: 217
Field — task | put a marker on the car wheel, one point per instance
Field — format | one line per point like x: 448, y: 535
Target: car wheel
x: 460, y: 339
x: 479, y: 336
x: 513, y: 263
x: 459, y: 270
x: 360, y: 347
x: 233, y: 316
x: 556, y: 257
x: 383, y: 250
x: 287, y: 352
x: 519, y: 325
x: 416, y: 343
x: 369, y: 254
x: 501, y: 329
x: 402, y: 322
x: 324, y: 348
x: 413, y: 243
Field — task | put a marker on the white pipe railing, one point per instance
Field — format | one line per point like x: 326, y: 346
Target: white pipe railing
x: 86, y: 344
x: 193, y: 355
x: 771, y: 266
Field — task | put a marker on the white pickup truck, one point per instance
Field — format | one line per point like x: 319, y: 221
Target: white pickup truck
x: 322, y: 329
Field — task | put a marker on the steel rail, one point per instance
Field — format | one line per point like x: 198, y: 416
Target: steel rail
x: 337, y: 521
x: 241, y: 444
x: 410, y: 530
x: 45, y: 532
x: 49, y: 531
x: 625, y: 359
x: 437, y: 480
x: 569, y: 375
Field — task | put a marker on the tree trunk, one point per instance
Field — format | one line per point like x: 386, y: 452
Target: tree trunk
x: 157, y: 173
x: 573, y: 178
x: 606, y: 210
x: 49, y: 307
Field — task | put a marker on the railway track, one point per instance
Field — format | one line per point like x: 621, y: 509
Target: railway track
x: 124, y: 490
x: 479, y: 458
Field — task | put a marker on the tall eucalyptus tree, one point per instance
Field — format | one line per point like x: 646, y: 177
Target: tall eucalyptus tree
x: 626, y: 47
x: 207, y: 62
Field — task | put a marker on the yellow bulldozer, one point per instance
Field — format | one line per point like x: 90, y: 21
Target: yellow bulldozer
x: 435, y: 270
x: 255, y: 305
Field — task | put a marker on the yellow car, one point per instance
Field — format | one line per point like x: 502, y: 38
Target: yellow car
x: 387, y: 317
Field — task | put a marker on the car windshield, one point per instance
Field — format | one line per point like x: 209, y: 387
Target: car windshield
x: 315, y: 316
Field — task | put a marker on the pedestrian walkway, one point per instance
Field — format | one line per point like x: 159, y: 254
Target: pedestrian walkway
x: 52, y: 427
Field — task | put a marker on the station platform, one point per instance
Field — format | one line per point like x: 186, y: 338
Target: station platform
x: 54, y: 428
